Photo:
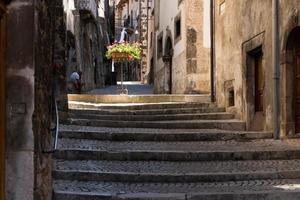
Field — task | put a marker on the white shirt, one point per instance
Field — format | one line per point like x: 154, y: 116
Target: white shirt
x: 123, y: 35
x: 74, y: 76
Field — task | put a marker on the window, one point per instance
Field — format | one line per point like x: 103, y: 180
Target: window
x: 160, y: 45
x: 177, y: 28
x: 231, y: 101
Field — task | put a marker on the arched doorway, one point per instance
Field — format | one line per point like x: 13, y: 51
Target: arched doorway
x: 2, y: 98
x: 291, y: 85
x: 168, y: 58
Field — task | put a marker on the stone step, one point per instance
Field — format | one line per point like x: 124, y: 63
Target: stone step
x: 181, y: 172
x: 201, y: 116
x: 76, y: 149
x: 178, y: 124
x: 138, y: 106
x: 142, y: 134
x: 148, y: 112
x: 234, y: 190
x: 137, y: 98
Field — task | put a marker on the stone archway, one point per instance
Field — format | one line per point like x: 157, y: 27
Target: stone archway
x: 290, y: 70
x: 168, y: 60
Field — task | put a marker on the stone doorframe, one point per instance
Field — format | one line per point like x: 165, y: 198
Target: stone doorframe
x: 248, y: 47
x: 2, y: 99
x: 168, y: 61
x: 287, y: 125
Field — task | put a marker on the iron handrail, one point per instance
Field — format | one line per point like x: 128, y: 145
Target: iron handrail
x: 57, y: 125
x: 56, y: 129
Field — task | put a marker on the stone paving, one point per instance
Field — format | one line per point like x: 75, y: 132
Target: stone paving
x: 134, y: 88
x: 199, y: 146
x: 74, y: 128
x: 179, y: 168
x: 138, y: 163
x: 116, y: 188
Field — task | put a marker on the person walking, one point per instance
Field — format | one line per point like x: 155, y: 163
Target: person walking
x: 76, y: 79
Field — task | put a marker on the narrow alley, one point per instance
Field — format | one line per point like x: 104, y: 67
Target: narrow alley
x: 149, y: 99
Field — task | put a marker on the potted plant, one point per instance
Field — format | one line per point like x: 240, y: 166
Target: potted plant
x: 124, y: 51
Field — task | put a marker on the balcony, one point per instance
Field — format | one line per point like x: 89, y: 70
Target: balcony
x: 87, y: 6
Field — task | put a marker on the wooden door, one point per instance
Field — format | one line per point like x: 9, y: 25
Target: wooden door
x: 259, y: 83
x: 297, y: 85
x: 2, y: 98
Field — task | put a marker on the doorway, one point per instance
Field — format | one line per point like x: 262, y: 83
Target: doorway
x: 296, y: 100
x: 290, y: 84
x: 259, y: 83
x: 255, y: 89
x: 168, y: 59
x: 2, y: 99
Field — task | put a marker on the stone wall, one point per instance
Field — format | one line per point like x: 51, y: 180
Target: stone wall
x: 234, y: 40
x: 43, y: 98
x: 198, y: 56
x: 85, y: 38
x: 241, y: 27
x: 191, y: 60
x: 29, y: 89
x: 20, y: 101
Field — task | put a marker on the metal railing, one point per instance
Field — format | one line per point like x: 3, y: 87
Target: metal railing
x: 57, y: 125
x: 54, y: 131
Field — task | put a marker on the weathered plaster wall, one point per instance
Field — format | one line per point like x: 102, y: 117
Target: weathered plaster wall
x: 20, y: 101
x: 29, y: 87
x: 198, y: 56
x: 191, y: 60
x: 166, y: 26
x: 289, y: 21
x: 238, y: 27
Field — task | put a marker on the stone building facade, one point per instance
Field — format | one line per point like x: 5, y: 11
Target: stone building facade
x: 244, y: 75
x: 182, y: 61
x: 240, y: 56
x: 86, y: 38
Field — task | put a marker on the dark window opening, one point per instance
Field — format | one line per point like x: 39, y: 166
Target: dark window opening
x: 160, y: 46
x: 231, y: 100
x: 178, y: 27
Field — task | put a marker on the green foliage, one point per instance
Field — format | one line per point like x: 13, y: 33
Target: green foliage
x: 133, y: 50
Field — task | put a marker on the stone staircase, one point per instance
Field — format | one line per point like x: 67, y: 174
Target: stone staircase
x: 170, y: 150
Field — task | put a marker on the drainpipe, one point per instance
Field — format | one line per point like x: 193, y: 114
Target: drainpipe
x: 212, y: 53
x: 275, y: 63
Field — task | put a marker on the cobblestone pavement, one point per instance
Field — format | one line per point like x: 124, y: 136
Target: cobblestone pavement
x: 99, y: 162
x: 183, y: 168
x: 134, y: 88
x: 138, y: 130
x: 210, y: 146
x: 216, y: 187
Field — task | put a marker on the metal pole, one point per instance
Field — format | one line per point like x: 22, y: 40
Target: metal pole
x: 275, y: 63
x: 122, y: 88
x: 212, y: 53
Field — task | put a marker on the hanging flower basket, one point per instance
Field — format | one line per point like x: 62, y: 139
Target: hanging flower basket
x: 119, y: 56
x: 124, y: 51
